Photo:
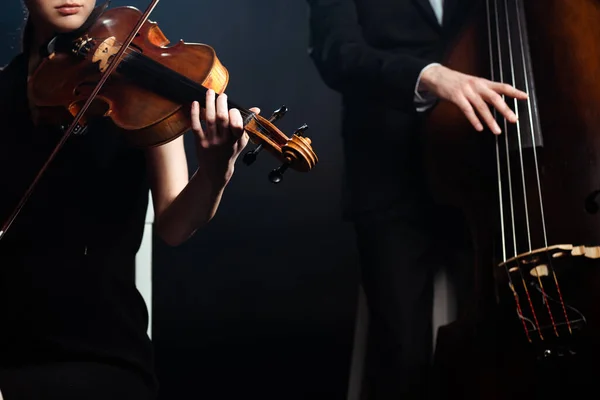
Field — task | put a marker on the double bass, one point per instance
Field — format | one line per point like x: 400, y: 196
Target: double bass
x: 531, y: 200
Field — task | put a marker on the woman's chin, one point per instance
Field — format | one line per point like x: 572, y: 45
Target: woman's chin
x: 68, y: 24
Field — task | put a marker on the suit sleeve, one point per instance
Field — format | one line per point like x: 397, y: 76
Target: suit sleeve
x: 349, y: 65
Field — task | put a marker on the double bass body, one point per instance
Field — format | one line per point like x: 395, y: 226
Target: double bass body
x: 531, y: 200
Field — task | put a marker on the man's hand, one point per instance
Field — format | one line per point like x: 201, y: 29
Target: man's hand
x: 470, y: 93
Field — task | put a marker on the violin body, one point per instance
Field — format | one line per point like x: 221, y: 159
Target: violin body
x: 530, y: 198
x: 66, y: 81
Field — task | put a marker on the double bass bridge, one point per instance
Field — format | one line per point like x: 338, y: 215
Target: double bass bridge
x: 544, y: 286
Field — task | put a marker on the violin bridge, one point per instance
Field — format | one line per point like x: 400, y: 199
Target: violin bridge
x: 105, y: 52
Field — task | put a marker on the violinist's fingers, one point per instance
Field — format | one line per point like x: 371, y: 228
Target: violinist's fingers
x: 468, y: 111
x: 196, y: 125
x: 211, y: 116
x: 484, y: 111
x: 236, y: 124
x: 223, y: 132
x: 498, y: 102
x: 255, y: 110
x: 241, y: 143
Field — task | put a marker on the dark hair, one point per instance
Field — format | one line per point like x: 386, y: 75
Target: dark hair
x: 27, y: 37
x: 27, y: 30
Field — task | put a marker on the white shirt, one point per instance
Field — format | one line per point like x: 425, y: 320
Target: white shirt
x: 438, y: 9
x: 423, y: 100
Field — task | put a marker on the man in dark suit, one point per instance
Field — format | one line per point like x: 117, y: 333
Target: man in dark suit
x: 383, y: 57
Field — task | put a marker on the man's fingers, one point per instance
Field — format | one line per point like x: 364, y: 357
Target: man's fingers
x: 467, y: 109
x: 508, y: 90
x: 499, y: 104
x: 484, y: 111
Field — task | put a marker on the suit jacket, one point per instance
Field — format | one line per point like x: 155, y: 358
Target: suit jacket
x: 372, y: 52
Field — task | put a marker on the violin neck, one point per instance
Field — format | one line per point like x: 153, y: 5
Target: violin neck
x: 168, y: 83
x: 247, y: 115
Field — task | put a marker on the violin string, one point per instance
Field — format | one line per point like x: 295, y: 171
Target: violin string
x: 509, y: 172
x: 500, y: 187
x: 195, y: 86
x: 155, y: 69
x: 519, y: 8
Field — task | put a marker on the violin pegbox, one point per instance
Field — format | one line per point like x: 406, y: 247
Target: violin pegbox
x: 295, y: 152
x: 251, y: 156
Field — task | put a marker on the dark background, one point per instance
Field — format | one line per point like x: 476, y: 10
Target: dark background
x: 260, y: 303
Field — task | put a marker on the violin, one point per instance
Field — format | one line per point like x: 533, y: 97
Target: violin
x: 119, y: 65
x: 531, y: 200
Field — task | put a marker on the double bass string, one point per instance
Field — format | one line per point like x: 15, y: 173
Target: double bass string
x: 509, y: 177
x: 500, y: 187
x: 498, y: 167
x: 519, y: 8
x: 520, y: 141
x: 530, y: 114
x: 508, y: 166
x: 517, y: 125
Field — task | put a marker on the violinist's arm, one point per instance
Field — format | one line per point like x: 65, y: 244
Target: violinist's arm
x: 347, y: 63
x: 183, y: 205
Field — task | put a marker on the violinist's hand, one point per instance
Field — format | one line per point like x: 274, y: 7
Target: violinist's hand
x: 222, y: 140
x: 470, y: 93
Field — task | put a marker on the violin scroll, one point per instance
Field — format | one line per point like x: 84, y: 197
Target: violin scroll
x: 295, y: 152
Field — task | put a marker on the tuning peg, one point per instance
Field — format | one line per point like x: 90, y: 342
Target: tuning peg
x: 276, y: 175
x: 278, y: 114
x: 300, y: 131
x: 251, y: 155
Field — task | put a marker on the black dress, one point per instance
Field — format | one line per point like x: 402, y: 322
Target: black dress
x: 72, y: 323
